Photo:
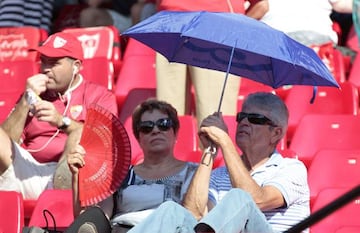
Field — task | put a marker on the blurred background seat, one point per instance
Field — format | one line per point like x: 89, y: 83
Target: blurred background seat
x: 11, y: 212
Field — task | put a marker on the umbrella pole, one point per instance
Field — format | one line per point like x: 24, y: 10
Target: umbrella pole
x: 226, y: 77
x: 212, y: 148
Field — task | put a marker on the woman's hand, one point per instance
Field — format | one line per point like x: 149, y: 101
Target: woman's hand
x: 75, y: 159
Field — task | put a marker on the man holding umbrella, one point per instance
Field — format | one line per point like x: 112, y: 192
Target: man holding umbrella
x: 259, y: 191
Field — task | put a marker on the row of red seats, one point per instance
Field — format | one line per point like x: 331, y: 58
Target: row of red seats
x: 53, y: 209
x: 324, y: 131
x: 101, y: 64
x: 328, y: 101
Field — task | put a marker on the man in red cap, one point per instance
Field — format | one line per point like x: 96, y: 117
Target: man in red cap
x: 53, y: 105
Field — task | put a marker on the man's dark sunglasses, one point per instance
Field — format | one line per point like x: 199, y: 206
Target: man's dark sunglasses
x: 163, y: 124
x: 255, y: 118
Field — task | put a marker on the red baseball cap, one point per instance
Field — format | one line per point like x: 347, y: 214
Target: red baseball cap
x: 61, y: 44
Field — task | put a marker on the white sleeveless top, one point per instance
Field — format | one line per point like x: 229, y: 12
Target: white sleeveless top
x: 138, y: 197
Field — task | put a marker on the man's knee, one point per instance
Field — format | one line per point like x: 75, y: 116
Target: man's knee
x: 169, y: 205
x: 240, y: 194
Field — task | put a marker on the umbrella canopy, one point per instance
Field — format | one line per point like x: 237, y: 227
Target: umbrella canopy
x: 233, y: 43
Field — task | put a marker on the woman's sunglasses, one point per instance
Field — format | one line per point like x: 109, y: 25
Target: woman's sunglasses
x: 255, y: 118
x: 163, y: 124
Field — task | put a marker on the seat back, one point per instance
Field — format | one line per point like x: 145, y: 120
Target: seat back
x: 343, y: 218
x: 59, y: 204
x: 354, y: 74
x: 137, y: 70
x: 186, y: 146
x: 15, y: 43
x: 328, y: 100
x: 333, y: 59
x: 7, y: 103
x: 348, y: 229
x: 13, y: 75
x: 101, y: 48
x: 17, y: 63
x: 136, y: 48
x: 11, y: 212
x: 333, y: 169
x: 135, y: 97
x: 324, y: 131
x: 248, y: 86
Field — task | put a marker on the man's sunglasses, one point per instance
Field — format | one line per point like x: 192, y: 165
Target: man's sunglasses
x: 163, y: 124
x: 255, y: 118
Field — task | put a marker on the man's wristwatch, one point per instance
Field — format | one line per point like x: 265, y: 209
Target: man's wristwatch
x: 66, y: 121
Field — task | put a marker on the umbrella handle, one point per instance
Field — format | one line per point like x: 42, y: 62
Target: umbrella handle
x: 226, y: 76
x: 209, y: 150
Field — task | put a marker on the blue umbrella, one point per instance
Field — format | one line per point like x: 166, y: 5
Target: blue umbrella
x: 232, y: 43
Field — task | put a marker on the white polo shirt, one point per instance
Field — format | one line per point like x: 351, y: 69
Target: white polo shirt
x: 288, y: 175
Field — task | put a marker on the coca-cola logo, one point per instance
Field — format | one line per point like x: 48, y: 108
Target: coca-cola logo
x: 13, y: 47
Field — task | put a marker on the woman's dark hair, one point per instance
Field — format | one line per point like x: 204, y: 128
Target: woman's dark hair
x: 151, y: 105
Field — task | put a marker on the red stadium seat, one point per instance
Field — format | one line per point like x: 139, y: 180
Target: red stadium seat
x: 59, y: 204
x: 135, y: 97
x: 325, y: 131
x: 187, y: 146
x: 348, y: 229
x: 137, y: 71
x: 29, y: 206
x: 354, y: 74
x: 11, y: 212
x: 136, y: 48
x: 248, y: 86
x: 352, y: 40
x: 335, y: 169
x: 345, y: 218
x: 13, y: 74
x: 7, y: 103
x: 328, y: 100
x: 17, y: 63
x: 15, y: 43
x: 102, y: 58
x: 333, y: 59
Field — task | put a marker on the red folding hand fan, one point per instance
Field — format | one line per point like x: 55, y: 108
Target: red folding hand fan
x: 107, y: 158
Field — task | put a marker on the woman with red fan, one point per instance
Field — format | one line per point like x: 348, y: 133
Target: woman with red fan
x: 159, y: 178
